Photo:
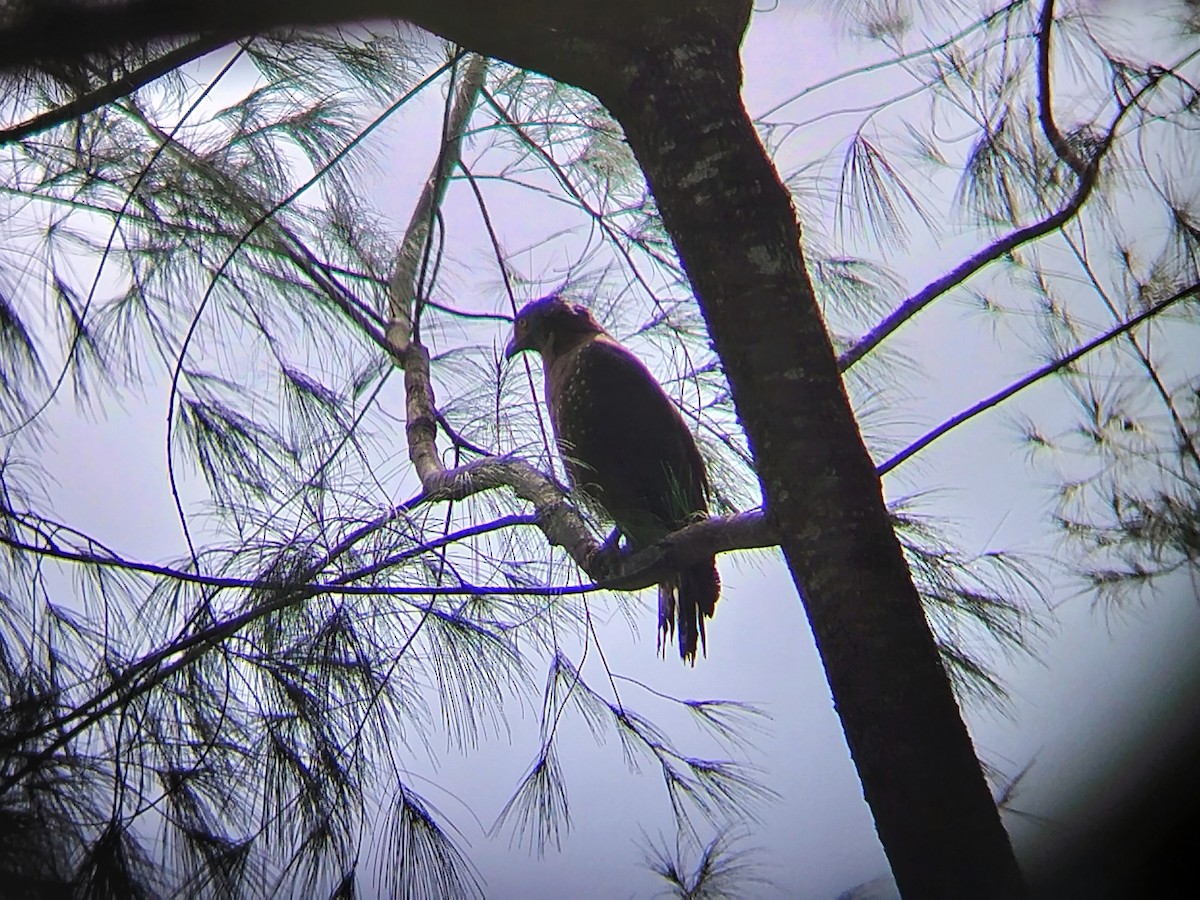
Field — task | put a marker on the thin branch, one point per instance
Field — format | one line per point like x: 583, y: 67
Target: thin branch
x: 1033, y: 377
x: 498, y: 253
x: 288, y: 592
x: 1045, y: 106
x: 260, y: 222
x: 620, y: 572
x: 187, y: 648
x: 457, y: 439
x: 998, y: 248
x: 112, y: 236
x: 598, y: 216
x: 468, y: 314
x: 413, y: 254
x: 279, y: 238
x: 114, y: 90
x: 553, y: 514
x: 868, y: 68
x: 1186, y: 442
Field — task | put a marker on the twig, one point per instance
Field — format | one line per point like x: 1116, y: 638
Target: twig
x: 114, y: 90
x: 998, y: 248
x: 1035, y: 376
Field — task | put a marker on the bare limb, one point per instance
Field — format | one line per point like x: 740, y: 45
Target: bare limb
x: 701, y: 540
x: 558, y: 520
x: 1045, y: 106
x: 117, y: 88
x: 1033, y: 377
x: 36, y: 34
x: 412, y: 258
x: 998, y: 248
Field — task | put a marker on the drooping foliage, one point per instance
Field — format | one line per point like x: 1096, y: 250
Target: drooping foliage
x: 211, y: 247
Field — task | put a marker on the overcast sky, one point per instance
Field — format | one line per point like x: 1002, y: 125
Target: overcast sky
x: 1094, y: 712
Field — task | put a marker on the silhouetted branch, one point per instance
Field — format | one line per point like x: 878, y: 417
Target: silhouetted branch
x: 1034, y: 377
x: 404, y: 299
x: 558, y: 520
x: 701, y: 540
x: 117, y: 88
x: 998, y: 248
x: 287, y: 592
x: 1061, y: 145
x: 41, y: 32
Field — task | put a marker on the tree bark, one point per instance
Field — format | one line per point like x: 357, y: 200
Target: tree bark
x: 737, y: 235
x: 670, y: 73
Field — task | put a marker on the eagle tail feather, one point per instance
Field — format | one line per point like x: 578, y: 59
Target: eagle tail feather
x: 699, y: 587
x: 666, y: 615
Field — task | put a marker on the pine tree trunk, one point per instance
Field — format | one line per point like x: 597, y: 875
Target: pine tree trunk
x: 736, y: 232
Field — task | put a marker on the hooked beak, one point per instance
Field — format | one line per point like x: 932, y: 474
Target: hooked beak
x: 514, y: 347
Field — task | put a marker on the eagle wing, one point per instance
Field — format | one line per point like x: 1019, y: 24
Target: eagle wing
x: 625, y: 444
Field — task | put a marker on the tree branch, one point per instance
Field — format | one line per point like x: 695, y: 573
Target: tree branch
x: 37, y: 33
x: 989, y: 254
x: 114, y: 90
x: 281, y: 239
x: 693, y: 543
x: 1033, y: 377
x: 1045, y: 107
x: 404, y: 302
x: 558, y: 520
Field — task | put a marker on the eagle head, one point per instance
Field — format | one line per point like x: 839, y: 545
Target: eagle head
x: 552, y: 321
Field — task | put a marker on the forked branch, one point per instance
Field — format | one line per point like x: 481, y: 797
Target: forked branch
x: 1088, y: 175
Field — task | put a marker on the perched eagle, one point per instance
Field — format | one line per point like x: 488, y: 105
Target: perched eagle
x: 626, y: 448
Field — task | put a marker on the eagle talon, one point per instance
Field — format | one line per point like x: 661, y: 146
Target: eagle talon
x: 612, y: 543
x: 608, y: 562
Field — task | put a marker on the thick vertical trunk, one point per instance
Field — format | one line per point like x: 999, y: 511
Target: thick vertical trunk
x: 736, y: 232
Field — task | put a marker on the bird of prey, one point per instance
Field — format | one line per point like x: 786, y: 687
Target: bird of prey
x: 626, y: 449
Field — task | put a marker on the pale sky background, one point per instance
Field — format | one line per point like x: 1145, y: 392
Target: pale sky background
x: 1104, y: 702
